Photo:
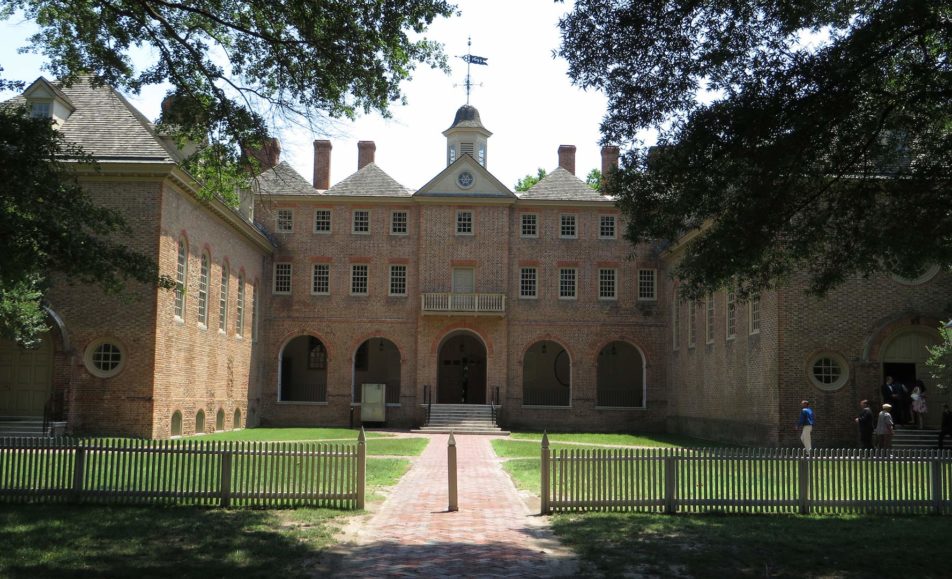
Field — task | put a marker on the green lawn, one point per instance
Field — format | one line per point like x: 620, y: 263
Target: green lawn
x: 651, y: 440
x: 288, y: 434
x: 396, y: 446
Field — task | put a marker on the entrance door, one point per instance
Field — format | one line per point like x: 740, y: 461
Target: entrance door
x: 904, y: 358
x: 462, y: 371
x: 25, y: 378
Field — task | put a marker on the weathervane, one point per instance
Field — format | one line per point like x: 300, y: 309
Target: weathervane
x: 471, y: 59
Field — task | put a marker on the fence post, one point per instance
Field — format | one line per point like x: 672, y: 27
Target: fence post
x: 451, y: 473
x: 361, y: 467
x: 226, y: 477
x: 937, y: 485
x: 79, y: 469
x: 803, y: 470
x: 545, y: 473
x: 670, y: 483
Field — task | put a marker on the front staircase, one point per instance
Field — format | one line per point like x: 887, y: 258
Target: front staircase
x: 462, y: 419
x: 29, y: 427
x: 911, y: 437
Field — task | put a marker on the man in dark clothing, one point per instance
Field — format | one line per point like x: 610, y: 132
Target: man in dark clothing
x: 865, y: 422
x: 946, y: 424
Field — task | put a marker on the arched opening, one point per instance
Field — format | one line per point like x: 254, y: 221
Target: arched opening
x: 546, y: 375
x: 377, y: 361
x: 621, y: 376
x: 461, y: 377
x: 236, y: 419
x: 176, y: 423
x: 200, y: 422
x: 303, y: 371
x: 26, y: 377
x: 220, y: 420
x: 904, y: 358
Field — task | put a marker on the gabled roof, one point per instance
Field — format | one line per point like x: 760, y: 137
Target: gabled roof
x: 484, y: 186
x: 41, y: 83
x: 282, y: 179
x: 369, y: 181
x: 561, y: 185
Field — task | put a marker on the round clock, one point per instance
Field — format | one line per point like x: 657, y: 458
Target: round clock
x: 465, y: 180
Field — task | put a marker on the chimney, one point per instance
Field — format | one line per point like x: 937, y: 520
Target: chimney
x: 365, y: 153
x: 609, y: 160
x: 322, y: 164
x: 567, y: 158
x: 268, y: 155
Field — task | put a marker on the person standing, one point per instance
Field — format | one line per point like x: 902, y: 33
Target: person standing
x: 919, y: 406
x: 805, y: 424
x: 891, y: 393
x: 884, y: 428
x: 946, y: 423
x: 865, y: 423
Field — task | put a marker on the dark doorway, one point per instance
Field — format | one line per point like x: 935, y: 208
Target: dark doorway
x: 462, y: 371
x: 904, y: 373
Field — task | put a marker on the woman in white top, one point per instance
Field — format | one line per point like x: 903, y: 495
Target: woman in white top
x: 883, y: 433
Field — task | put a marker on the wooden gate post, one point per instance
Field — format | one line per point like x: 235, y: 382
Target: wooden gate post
x: 670, y: 483
x: 79, y: 469
x: 226, y: 477
x: 545, y: 474
x: 803, y: 471
x: 361, y: 467
x: 937, y: 485
x: 451, y: 473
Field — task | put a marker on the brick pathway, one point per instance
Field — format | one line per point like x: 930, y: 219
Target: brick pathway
x: 493, y: 534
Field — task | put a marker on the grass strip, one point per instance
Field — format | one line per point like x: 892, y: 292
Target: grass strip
x: 396, y: 446
x: 650, y: 440
x: 289, y: 434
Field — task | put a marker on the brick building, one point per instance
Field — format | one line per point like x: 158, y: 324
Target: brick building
x: 461, y: 290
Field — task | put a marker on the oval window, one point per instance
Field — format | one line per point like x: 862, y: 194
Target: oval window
x: 104, y: 358
x: 828, y: 371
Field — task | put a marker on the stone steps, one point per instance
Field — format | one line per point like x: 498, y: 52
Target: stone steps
x: 28, y: 427
x: 908, y: 437
x: 461, y: 419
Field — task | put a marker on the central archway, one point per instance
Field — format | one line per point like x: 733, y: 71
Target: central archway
x: 461, y: 376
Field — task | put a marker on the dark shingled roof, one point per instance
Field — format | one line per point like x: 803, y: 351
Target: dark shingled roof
x: 370, y: 181
x: 560, y: 185
x: 282, y: 179
x: 467, y: 117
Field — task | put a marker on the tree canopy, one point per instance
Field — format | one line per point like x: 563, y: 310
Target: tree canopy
x: 528, y: 181
x: 813, y: 137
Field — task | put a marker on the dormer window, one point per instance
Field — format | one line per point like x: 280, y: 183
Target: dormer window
x: 41, y: 110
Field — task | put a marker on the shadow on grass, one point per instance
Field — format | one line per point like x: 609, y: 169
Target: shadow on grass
x: 96, y: 541
x: 713, y: 545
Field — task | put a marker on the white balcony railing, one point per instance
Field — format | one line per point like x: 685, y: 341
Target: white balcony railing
x: 473, y: 304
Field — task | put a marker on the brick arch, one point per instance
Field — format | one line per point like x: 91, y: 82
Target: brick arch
x: 60, y: 328
x: 545, y: 338
x: 356, y: 343
x: 599, y: 346
x: 448, y: 330
x: 207, y: 249
x: 873, y: 345
x: 286, y: 339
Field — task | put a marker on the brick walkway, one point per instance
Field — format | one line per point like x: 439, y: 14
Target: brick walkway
x: 493, y: 534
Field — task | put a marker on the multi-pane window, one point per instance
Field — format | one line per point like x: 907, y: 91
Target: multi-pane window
x: 282, y: 278
x: 398, y: 280
x: 607, y: 289
x: 203, y: 291
x: 692, y: 319
x: 398, y: 223
x: 41, y: 110
x: 181, y: 274
x: 358, y: 279
x: 709, y: 320
x: 322, y: 221
x: 676, y: 322
x: 606, y: 227
x: 530, y: 225
x: 223, y: 299
x: 285, y: 221
x: 567, y: 226
x: 568, y: 282
x: 754, y: 307
x: 321, y: 279
x: 240, y: 308
x: 528, y: 282
x: 647, y: 284
x: 731, y: 314
x: 361, y: 221
x: 464, y: 223
x: 254, y: 312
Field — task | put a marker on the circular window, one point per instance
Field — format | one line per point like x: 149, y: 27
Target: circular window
x: 828, y: 371
x: 104, y: 358
x: 465, y: 180
x: 925, y: 276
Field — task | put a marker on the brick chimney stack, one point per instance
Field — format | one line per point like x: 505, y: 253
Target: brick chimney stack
x: 365, y: 153
x: 609, y: 160
x: 322, y: 164
x: 567, y: 158
x: 268, y: 155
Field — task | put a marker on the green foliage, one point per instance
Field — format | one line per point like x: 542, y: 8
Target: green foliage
x: 940, y: 359
x: 834, y: 158
x: 594, y: 179
x: 528, y: 181
x: 50, y: 225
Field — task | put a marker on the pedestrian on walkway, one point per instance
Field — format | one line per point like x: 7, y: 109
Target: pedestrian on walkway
x: 865, y: 422
x: 884, y: 428
x: 805, y: 424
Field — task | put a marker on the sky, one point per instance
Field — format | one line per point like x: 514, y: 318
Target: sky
x: 523, y: 96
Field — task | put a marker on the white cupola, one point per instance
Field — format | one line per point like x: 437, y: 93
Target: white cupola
x: 467, y: 136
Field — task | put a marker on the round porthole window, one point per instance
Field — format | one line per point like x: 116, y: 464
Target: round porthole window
x: 104, y: 358
x: 465, y: 180
x: 925, y: 276
x: 828, y: 371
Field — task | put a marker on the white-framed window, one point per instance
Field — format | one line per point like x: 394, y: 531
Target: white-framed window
x: 282, y: 278
x: 398, y: 223
x: 568, y: 283
x: 361, y: 221
x: 692, y: 324
x: 567, y: 227
x: 181, y: 276
x: 709, y: 320
x: 223, y: 299
x: 203, y: 289
x: 607, y: 284
x: 285, y: 221
x: 321, y: 279
x: 398, y: 280
x: 240, y: 307
x: 731, y: 314
x: 647, y: 284
x: 359, y: 278
x: 753, y: 311
x: 254, y: 311
x: 528, y: 283
x: 464, y: 223
x: 676, y: 322
x: 322, y: 221
x: 529, y: 225
x: 104, y: 358
x: 41, y: 110
x: 606, y: 227
x: 828, y: 371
